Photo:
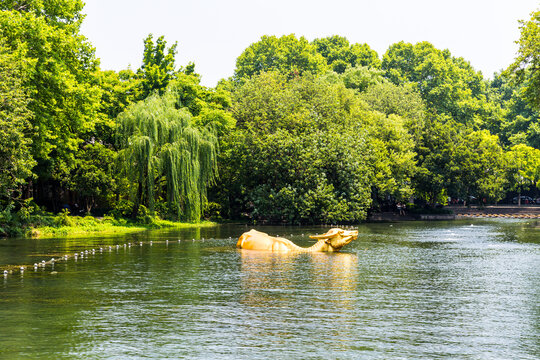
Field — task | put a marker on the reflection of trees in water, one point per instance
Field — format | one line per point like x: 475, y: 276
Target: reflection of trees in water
x: 270, y: 279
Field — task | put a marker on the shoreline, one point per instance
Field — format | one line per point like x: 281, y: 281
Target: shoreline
x: 99, y: 227
x: 462, y: 212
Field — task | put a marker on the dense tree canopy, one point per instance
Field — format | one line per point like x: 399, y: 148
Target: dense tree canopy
x: 527, y: 63
x: 159, y: 141
x: 304, y: 132
x: 158, y: 67
x: 308, y: 150
x: 288, y: 54
x: 60, y: 82
x: 449, y: 85
x: 340, y: 54
x: 16, y: 160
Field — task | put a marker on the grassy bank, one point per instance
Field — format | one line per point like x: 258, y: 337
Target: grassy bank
x: 76, y: 226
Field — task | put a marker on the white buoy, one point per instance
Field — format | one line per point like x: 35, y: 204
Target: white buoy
x: 140, y: 243
x: 5, y: 273
x: 22, y: 268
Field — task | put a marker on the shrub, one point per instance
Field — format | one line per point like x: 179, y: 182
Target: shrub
x: 63, y: 219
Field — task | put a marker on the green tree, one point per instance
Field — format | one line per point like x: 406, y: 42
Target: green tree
x: 403, y: 101
x: 527, y: 63
x: 481, y: 167
x: 519, y: 121
x: 458, y: 162
x: 359, y: 78
x: 94, y: 178
x: 449, y: 85
x: 16, y: 160
x: 340, y: 54
x: 158, y: 67
x: 287, y: 54
x: 64, y: 100
x: 209, y: 107
x: 307, y: 150
x: 163, y: 153
x: 523, y: 168
x: 62, y: 13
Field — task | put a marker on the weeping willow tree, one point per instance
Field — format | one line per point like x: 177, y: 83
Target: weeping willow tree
x: 164, y: 155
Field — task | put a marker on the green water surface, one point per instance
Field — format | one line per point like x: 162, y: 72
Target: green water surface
x: 415, y: 290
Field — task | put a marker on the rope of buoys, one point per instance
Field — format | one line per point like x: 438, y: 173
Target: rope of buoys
x: 82, y: 254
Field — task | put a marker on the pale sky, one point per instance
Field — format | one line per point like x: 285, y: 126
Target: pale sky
x: 213, y: 33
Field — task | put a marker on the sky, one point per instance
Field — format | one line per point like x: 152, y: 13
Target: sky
x: 213, y: 33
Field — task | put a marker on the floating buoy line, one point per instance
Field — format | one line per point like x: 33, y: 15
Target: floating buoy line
x: 84, y: 254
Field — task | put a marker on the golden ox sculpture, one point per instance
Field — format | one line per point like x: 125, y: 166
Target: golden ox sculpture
x: 333, y: 240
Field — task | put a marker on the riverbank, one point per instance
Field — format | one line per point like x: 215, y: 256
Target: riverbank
x: 496, y: 211
x: 76, y: 226
x: 462, y: 212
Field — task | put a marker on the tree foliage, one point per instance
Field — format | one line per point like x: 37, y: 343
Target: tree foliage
x: 288, y: 54
x: 340, y: 54
x: 164, y: 154
x: 449, y: 85
x: 307, y: 150
x: 158, y: 67
x: 527, y: 63
x: 64, y: 99
x: 519, y: 122
x: 16, y: 160
x: 308, y: 132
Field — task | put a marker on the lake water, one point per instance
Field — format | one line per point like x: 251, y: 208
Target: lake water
x: 416, y: 290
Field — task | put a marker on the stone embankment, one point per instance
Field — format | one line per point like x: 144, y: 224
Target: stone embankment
x: 463, y: 212
x: 497, y: 211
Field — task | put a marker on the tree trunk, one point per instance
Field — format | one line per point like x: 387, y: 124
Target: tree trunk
x: 135, y: 211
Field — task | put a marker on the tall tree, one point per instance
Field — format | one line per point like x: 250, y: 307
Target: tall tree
x: 288, y: 54
x: 340, y: 54
x: 519, y: 123
x: 16, y: 160
x: 161, y: 148
x: 158, y: 67
x: 523, y: 168
x: 307, y: 150
x: 449, y: 85
x: 60, y: 81
x: 526, y: 66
